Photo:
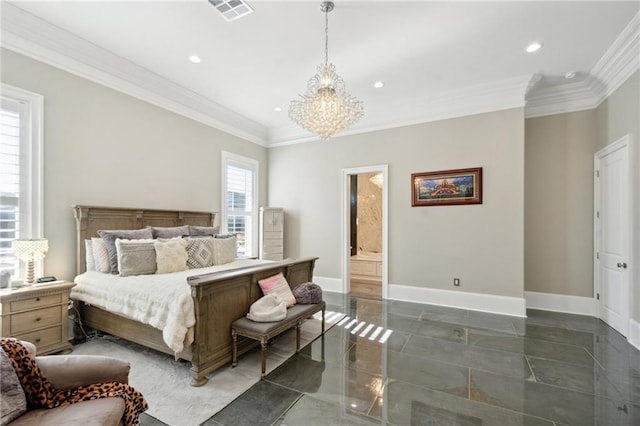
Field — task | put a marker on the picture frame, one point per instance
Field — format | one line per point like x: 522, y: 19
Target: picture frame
x: 447, y: 187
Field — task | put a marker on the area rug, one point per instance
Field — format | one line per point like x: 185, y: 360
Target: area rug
x: 165, y: 382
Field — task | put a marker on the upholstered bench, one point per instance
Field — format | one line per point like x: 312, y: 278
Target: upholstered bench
x: 264, y: 331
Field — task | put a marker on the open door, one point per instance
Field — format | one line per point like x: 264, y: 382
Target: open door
x: 359, y: 260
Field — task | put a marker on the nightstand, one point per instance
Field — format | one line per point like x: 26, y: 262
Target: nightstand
x: 37, y: 314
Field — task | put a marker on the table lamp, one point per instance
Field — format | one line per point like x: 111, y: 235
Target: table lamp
x: 30, y: 251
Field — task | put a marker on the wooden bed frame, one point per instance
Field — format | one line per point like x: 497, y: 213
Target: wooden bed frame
x: 219, y: 298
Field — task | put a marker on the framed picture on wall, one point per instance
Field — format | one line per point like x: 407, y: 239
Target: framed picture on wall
x: 447, y: 187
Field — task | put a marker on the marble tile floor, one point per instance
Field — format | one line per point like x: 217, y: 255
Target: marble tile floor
x: 401, y: 363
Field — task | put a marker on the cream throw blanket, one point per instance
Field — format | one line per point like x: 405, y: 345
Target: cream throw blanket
x: 162, y: 301
x: 269, y: 308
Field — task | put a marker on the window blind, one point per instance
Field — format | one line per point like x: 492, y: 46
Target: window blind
x: 239, y: 205
x: 10, y: 182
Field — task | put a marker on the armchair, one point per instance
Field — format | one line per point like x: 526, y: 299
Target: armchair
x: 70, y: 371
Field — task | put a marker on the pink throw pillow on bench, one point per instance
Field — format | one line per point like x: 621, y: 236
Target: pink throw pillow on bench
x: 278, y: 285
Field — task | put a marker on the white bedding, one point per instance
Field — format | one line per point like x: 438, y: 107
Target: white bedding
x: 162, y: 301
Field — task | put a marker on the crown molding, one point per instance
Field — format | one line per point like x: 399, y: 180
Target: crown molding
x: 621, y: 60
x: 36, y: 38
x: 569, y: 97
x: 478, y: 99
x: 618, y: 63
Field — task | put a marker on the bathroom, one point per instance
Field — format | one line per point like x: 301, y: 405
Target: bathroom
x: 366, y: 235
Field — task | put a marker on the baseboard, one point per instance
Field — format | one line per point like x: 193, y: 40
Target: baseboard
x: 561, y: 303
x: 634, y: 333
x: 514, y: 306
x: 329, y: 284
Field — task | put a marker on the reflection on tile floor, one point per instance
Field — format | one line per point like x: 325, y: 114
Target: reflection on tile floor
x: 400, y: 363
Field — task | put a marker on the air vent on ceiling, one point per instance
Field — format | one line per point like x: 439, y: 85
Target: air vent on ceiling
x: 232, y: 9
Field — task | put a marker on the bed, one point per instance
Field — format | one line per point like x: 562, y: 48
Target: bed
x: 219, y: 298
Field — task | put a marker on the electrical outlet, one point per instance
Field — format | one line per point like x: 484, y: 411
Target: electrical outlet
x: 456, y: 282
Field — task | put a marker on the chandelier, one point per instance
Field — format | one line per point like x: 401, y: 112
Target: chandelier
x: 326, y: 108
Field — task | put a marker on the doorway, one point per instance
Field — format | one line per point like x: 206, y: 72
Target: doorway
x: 364, y: 236
x: 612, y: 231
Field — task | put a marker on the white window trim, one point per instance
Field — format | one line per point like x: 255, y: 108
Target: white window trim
x: 227, y: 158
x: 34, y: 228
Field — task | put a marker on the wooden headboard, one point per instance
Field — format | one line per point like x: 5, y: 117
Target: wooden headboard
x: 89, y: 220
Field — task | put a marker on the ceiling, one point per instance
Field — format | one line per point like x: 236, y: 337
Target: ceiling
x: 436, y: 59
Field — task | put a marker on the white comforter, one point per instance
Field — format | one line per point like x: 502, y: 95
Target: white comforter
x: 162, y: 301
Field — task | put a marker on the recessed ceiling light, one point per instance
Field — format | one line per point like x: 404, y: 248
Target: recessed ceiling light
x: 277, y: 109
x: 534, y: 47
x: 378, y: 84
x: 569, y: 75
x: 195, y: 59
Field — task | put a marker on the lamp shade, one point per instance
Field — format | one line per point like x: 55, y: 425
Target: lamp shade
x: 31, y: 249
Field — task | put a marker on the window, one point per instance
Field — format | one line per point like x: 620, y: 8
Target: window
x: 240, y: 201
x: 20, y: 171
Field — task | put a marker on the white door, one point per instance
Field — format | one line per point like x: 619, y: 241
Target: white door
x: 613, y: 234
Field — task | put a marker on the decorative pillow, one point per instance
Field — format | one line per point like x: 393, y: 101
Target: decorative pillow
x: 89, y: 260
x: 224, y: 236
x: 200, y: 252
x: 13, y: 403
x: 308, y: 293
x: 169, y: 232
x: 109, y: 238
x: 203, y: 230
x: 171, y: 255
x: 269, y: 308
x: 224, y: 250
x: 100, y: 255
x: 278, y: 285
x: 136, y: 257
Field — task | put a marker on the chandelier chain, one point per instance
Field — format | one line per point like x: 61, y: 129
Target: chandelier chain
x: 326, y: 36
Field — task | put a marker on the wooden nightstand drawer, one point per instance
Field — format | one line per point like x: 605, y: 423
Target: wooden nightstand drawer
x: 43, y: 338
x: 36, y: 302
x: 35, y: 319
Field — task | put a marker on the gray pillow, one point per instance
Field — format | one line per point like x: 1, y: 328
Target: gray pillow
x: 224, y: 250
x: 224, y: 236
x: 136, y: 257
x: 109, y: 238
x: 169, y: 232
x: 203, y: 230
x: 13, y: 403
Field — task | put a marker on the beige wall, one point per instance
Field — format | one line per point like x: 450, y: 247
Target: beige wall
x: 369, y: 214
x: 428, y: 246
x: 559, y: 203
x: 105, y: 148
x: 618, y: 116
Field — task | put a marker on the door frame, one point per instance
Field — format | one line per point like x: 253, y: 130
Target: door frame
x: 345, y: 252
x: 622, y: 143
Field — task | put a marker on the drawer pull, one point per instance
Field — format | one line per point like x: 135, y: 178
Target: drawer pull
x: 37, y: 299
x: 38, y: 340
x: 38, y: 319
